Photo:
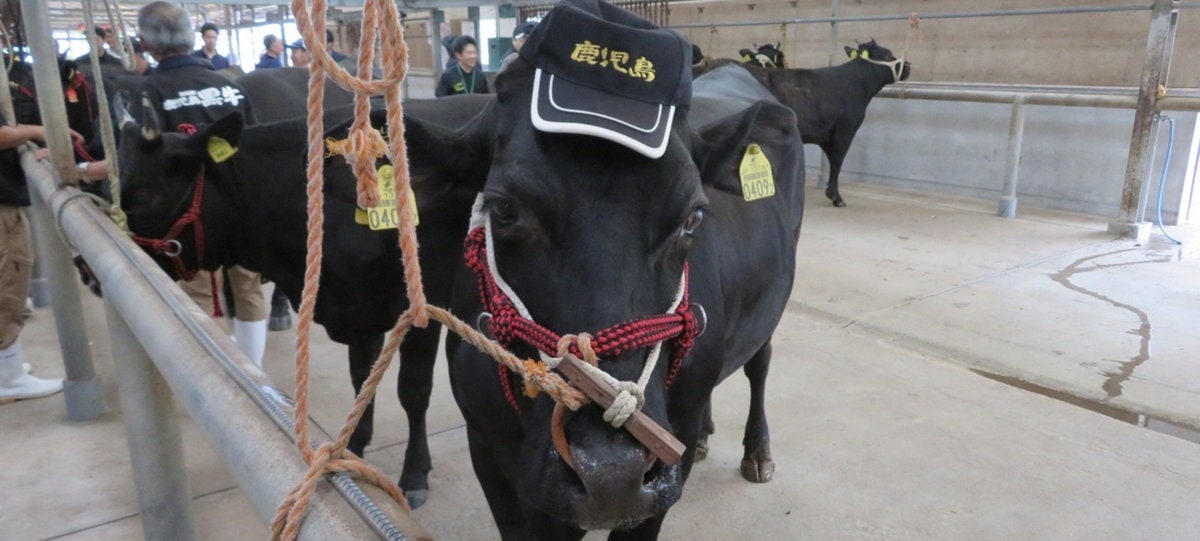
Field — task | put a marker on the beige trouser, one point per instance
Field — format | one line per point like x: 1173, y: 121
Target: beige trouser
x: 248, y: 299
x: 16, y: 267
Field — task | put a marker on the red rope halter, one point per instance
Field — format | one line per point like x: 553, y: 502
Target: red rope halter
x: 508, y: 325
x: 169, y: 245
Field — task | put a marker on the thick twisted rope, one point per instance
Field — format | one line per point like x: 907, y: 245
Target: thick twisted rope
x: 106, y: 127
x: 333, y: 457
x: 362, y: 151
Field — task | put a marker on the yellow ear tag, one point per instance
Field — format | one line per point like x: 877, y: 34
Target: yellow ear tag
x: 755, y: 172
x: 219, y: 149
x: 853, y: 54
x: 866, y: 55
x: 384, y: 216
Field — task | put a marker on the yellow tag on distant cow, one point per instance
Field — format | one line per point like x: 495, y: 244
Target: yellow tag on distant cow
x: 384, y: 215
x: 755, y: 172
x: 219, y: 149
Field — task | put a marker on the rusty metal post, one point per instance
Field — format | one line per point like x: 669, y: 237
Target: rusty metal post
x: 1130, y: 218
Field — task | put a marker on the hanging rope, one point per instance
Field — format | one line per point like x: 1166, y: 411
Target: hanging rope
x: 126, y: 41
x: 361, y: 148
x: 912, y: 34
x: 107, y: 136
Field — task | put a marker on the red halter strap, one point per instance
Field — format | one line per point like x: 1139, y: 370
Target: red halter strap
x: 169, y: 245
x: 508, y: 325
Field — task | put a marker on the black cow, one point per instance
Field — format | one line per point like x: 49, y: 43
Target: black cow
x: 254, y: 215
x: 589, y: 233
x: 282, y: 94
x: 831, y: 103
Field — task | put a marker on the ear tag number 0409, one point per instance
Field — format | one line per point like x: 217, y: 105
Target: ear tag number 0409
x: 755, y: 172
x: 384, y: 216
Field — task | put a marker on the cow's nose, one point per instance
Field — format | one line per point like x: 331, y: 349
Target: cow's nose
x: 612, y: 473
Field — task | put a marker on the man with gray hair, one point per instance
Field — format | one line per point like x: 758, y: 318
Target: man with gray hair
x: 185, y: 93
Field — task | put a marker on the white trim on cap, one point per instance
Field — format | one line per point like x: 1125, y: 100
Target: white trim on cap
x: 596, y: 131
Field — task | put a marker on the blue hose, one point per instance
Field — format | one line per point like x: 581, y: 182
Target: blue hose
x: 1162, y: 181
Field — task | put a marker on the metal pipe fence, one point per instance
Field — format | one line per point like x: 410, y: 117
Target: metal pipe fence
x: 1146, y: 100
x: 235, y: 405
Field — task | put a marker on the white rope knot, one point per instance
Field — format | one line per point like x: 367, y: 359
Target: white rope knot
x: 629, y: 401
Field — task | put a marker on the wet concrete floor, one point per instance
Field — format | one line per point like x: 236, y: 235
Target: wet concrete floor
x: 927, y: 382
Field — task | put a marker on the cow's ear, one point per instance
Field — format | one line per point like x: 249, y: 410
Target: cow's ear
x: 767, y: 124
x: 851, y: 52
x: 218, y: 139
x: 453, y: 159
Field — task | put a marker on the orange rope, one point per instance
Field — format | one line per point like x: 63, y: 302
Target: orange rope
x: 361, y: 148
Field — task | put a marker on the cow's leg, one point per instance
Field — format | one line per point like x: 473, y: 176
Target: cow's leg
x: 757, y: 466
x: 417, y: 356
x: 706, y: 429
x: 364, y: 350
x: 645, y: 531
x: 836, y: 153
x: 500, y: 494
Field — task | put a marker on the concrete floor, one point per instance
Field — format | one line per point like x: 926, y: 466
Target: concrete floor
x: 882, y: 426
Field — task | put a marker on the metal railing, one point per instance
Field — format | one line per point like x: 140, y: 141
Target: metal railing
x: 167, y: 350
x: 164, y: 345
x: 1146, y: 100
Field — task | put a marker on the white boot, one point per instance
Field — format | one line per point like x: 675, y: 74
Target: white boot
x: 16, y: 384
x: 251, y: 338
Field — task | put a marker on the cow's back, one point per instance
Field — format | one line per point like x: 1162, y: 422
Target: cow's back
x: 722, y: 92
x: 744, y: 257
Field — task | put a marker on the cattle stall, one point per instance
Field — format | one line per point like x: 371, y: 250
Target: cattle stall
x: 1051, y: 143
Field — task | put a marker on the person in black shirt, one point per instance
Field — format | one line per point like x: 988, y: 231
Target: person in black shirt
x: 463, y: 77
x: 336, y: 56
x: 106, y: 59
x: 185, y: 90
x: 273, y: 56
x: 209, y: 32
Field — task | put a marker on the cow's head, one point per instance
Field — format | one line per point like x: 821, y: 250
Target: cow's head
x: 160, y: 192
x: 592, y: 201
x: 874, y: 53
x: 767, y: 56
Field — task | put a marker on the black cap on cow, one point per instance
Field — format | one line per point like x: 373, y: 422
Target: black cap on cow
x: 605, y: 72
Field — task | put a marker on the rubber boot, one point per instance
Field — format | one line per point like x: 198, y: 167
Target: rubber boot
x: 16, y: 384
x: 281, y: 316
x: 251, y: 338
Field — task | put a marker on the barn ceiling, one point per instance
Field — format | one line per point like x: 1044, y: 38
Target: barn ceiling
x: 68, y: 14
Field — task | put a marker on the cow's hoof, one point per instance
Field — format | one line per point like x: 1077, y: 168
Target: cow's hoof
x: 701, y: 450
x: 758, y: 469
x: 838, y: 201
x: 280, y: 323
x: 417, y: 498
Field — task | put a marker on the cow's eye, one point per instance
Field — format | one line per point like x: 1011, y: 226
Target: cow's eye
x: 503, y: 213
x: 692, y: 222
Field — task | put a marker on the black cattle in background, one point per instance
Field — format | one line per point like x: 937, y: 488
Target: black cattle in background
x: 590, y: 233
x: 254, y: 214
x: 767, y: 56
x: 830, y: 103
